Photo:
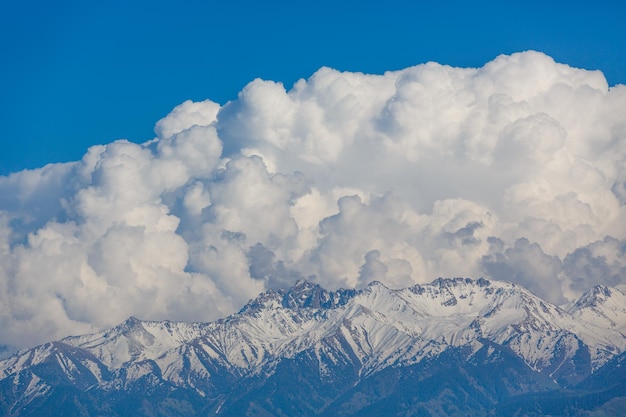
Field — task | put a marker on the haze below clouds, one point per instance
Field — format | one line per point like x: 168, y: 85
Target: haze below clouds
x: 513, y: 171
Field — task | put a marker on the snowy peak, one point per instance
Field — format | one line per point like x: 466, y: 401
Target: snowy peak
x: 601, y: 306
x: 450, y: 296
x: 304, y: 294
x: 308, y: 295
x: 268, y: 299
x: 597, y: 297
x: 463, y: 312
x: 135, y: 339
x: 68, y: 362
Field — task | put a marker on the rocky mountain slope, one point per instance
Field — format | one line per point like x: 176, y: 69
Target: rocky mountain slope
x: 453, y: 347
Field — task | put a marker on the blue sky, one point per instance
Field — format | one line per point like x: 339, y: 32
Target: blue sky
x: 78, y: 73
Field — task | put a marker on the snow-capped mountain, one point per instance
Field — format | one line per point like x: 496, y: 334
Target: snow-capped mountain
x: 453, y: 345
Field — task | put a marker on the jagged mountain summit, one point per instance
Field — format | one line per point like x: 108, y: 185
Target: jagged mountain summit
x: 452, y: 347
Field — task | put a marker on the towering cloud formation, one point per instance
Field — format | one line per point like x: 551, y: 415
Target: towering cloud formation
x: 514, y: 171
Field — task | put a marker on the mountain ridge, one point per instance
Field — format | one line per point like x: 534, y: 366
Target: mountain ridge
x: 346, y: 338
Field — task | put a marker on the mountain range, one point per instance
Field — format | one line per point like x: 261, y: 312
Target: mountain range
x: 454, y: 347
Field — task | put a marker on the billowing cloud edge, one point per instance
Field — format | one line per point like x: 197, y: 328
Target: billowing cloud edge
x: 512, y: 171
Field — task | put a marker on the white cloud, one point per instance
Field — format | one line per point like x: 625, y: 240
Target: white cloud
x: 185, y: 116
x: 601, y: 262
x: 515, y: 171
x: 527, y: 264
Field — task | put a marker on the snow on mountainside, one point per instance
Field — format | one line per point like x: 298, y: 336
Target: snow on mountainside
x: 601, y: 306
x: 600, y: 314
x: 368, y: 330
x: 136, y: 340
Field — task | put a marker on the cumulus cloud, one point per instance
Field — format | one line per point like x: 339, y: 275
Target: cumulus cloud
x: 600, y: 262
x: 527, y: 264
x: 513, y: 171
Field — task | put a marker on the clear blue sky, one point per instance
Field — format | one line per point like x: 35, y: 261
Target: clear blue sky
x: 78, y: 73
